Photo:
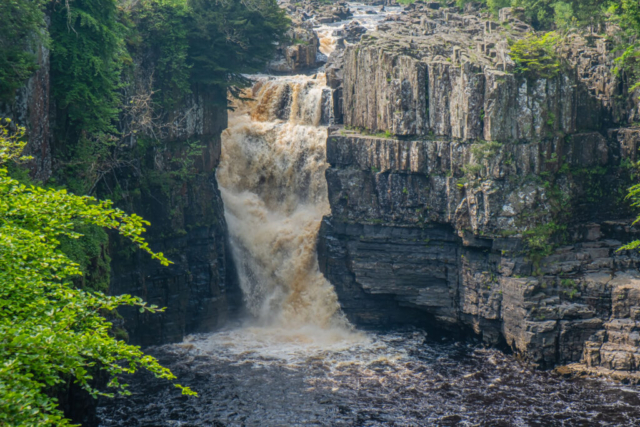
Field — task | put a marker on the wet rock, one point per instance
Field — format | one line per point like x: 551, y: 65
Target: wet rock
x: 353, y: 32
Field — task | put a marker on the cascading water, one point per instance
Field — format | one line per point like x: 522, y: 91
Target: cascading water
x: 271, y: 177
x: 299, y: 362
x: 272, y: 182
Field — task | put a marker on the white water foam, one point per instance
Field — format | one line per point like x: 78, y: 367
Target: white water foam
x: 271, y: 177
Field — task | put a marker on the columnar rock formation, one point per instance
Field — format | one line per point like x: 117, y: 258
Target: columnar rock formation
x: 468, y: 196
x: 199, y: 290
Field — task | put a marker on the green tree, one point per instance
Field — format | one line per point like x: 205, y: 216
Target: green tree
x: 21, y: 31
x: 634, y: 196
x: 228, y: 38
x: 496, y: 5
x: 537, y: 56
x: 51, y: 331
x: 550, y: 14
x: 627, y: 15
x: 88, y: 50
x: 553, y: 14
x: 88, y: 53
x: 160, y: 30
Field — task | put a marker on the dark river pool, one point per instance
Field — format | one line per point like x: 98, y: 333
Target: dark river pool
x: 260, y: 377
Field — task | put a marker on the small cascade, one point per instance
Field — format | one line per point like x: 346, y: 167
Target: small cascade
x: 328, y: 41
x: 271, y: 177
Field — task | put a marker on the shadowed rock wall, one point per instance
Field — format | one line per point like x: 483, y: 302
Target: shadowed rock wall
x: 30, y: 108
x: 188, y: 225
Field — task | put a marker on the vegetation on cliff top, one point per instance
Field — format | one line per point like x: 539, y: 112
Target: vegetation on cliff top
x: 102, y: 47
x: 596, y: 16
x: 537, y: 56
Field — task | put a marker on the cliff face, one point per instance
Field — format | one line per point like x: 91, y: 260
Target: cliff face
x: 30, y: 108
x: 187, y: 224
x: 468, y: 196
x: 184, y: 207
x: 406, y: 232
x: 301, y: 55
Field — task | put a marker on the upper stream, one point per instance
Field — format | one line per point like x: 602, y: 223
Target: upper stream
x: 298, y: 362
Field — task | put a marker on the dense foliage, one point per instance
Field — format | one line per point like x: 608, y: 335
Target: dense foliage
x: 103, y: 47
x: 232, y: 37
x: 627, y: 13
x: 160, y: 30
x: 546, y: 14
x: 54, y: 314
x: 50, y: 331
x: 21, y: 30
x: 634, y: 197
x: 537, y: 56
x: 87, y: 55
x: 88, y: 48
x: 208, y: 42
x: 553, y: 14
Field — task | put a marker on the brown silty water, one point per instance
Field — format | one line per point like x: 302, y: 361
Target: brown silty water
x: 271, y: 177
x: 297, y: 361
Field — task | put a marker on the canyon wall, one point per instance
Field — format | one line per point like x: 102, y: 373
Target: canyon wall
x: 30, y: 108
x: 474, y: 198
x: 199, y: 290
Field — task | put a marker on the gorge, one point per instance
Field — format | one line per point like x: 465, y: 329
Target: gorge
x: 410, y: 236
x: 391, y: 224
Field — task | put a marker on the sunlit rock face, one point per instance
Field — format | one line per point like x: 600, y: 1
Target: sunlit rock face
x: 449, y: 166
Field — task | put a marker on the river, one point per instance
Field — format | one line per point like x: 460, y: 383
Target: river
x: 297, y: 361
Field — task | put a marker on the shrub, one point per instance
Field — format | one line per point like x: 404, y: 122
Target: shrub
x: 537, y: 56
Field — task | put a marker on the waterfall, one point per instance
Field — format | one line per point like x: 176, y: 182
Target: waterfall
x: 272, y: 181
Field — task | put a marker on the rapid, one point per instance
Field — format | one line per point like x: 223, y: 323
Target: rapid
x: 296, y: 360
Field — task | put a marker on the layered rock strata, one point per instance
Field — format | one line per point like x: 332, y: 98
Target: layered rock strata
x: 470, y: 196
x: 408, y: 232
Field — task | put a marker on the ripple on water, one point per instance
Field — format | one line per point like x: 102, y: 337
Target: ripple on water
x: 270, y: 377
